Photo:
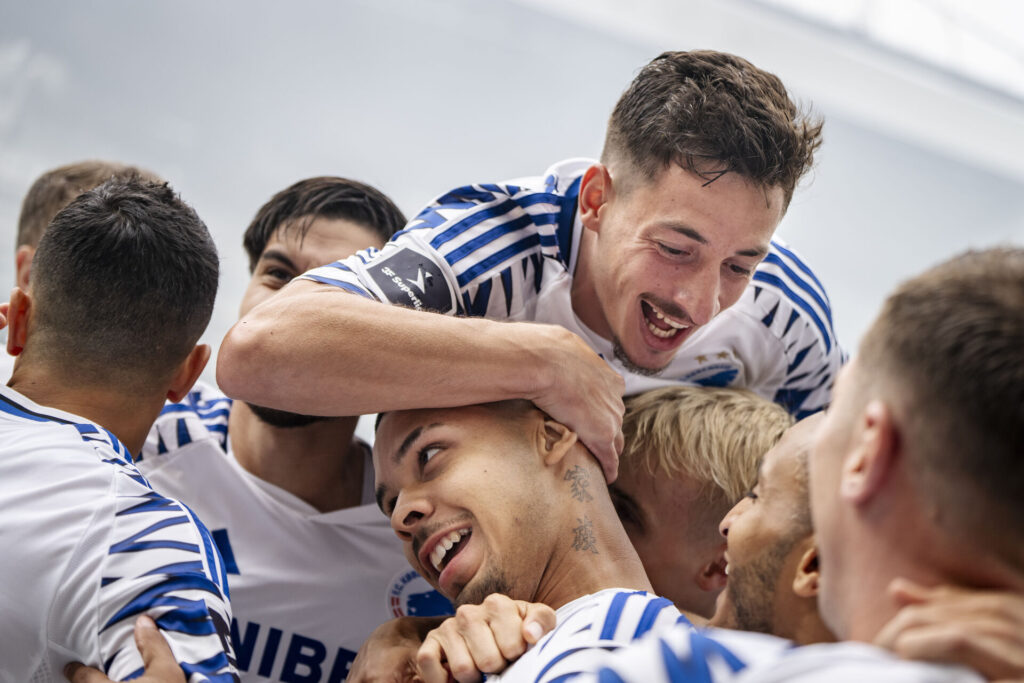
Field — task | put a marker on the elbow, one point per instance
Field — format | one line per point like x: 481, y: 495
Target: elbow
x: 240, y: 353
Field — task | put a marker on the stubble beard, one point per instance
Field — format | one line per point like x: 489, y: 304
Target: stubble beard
x: 629, y: 364
x: 752, y: 589
x: 474, y: 592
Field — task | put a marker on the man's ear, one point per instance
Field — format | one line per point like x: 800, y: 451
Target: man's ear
x: 17, y: 321
x: 867, y: 466
x: 805, y: 583
x: 556, y: 441
x: 23, y: 265
x: 188, y: 372
x: 595, y: 191
x: 712, y: 577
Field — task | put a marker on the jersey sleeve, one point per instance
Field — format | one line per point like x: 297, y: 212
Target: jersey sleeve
x: 161, y: 561
x: 472, y: 251
x: 793, y: 305
x: 596, y: 628
x: 203, y: 414
x: 678, y: 654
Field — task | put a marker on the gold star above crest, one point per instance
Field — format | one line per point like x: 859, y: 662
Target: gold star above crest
x: 702, y: 359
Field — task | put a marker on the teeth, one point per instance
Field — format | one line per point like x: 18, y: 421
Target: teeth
x: 446, y: 543
x: 658, y: 332
x: 674, y: 324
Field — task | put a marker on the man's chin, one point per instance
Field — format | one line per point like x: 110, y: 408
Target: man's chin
x: 283, y: 419
x: 633, y: 366
x: 474, y: 592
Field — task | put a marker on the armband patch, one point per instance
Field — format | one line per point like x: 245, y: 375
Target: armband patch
x: 408, y: 278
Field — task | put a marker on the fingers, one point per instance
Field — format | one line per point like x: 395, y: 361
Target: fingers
x: 157, y: 657
x: 997, y: 654
x: 76, y: 672
x: 538, y: 619
x: 482, y: 638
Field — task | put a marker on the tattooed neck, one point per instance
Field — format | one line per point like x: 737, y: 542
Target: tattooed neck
x: 583, y: 536
x: 579, y: 482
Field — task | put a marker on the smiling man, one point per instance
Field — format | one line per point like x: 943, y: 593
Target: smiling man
x: 499, y: 498
x: 655, y: 265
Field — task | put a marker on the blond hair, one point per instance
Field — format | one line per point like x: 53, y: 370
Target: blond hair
x: 714, y: 435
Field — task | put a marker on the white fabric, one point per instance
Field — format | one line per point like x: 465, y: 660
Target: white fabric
x: 593, y: 623
x: 307, y: 588
x: 88, y: 546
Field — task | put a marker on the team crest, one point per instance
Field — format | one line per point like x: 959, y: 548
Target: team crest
x: 409, y: 595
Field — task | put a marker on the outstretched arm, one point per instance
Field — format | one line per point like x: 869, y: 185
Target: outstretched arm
x: 316, y: 349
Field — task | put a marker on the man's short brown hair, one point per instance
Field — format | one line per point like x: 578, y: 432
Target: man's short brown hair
x: 949, y: 345
x: 55, y: 189
x: 710, y: 113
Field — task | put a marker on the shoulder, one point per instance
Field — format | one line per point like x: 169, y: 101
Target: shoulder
x: 202, y: 415
x: 788, y: 298
x: 850, y: 662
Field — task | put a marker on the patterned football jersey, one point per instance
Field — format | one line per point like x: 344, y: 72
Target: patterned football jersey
x: 602, y: 621
x: 89, y: 546
x: 509, y: 251
x: 307, y: 588
x: 682, y: 654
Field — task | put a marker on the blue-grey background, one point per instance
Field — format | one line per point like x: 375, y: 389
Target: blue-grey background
x: 234, y: 100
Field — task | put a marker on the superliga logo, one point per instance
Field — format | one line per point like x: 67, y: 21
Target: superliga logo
x: 411, y: 596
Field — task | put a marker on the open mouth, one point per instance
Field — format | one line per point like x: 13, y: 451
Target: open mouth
x: 447, y: 547
x: 661, y: 325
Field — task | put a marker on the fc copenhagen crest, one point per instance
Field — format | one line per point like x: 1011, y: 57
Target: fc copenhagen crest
x: 409, y: 595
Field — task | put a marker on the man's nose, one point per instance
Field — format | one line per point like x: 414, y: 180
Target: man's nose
x: 699, y: 294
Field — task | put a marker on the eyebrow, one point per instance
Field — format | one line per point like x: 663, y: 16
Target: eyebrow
x: 275, y: 255
x: 754, y: 252
x: 397, y: 458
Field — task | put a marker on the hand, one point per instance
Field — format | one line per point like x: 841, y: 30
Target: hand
x: 482, y: 638
x: 584, y: 393
x: 983, y: 630
x: 389, y: 654
x: 157, y: 658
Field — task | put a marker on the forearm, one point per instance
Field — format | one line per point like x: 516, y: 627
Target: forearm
x: 316, y: 349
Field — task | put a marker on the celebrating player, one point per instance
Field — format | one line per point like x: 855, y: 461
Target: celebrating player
x: 289, y: 498
x: 657, y: 261
x: 122, y: 286
x: 690, y: 455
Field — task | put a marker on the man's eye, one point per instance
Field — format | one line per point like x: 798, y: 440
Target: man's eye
x: 740, y: 270
x: 280, y: 274
x: 751, y: 495
x: 427, y: 453
x: 670, y: 251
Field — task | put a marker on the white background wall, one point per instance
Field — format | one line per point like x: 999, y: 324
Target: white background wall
x: 234, y: 100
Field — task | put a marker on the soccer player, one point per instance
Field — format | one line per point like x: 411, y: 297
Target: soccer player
x: 50, y: 193
x: 657, y: 261
x: 313, y: 566
x: 772, y: 560
x: 123, y: 284
x: 690, y: 454
x: 914, y: 474
x: 499, y: 498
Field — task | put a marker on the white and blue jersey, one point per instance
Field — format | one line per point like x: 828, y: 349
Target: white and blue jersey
x: 88, y: 547
x: 599, y: 622
x: 682, y: 654
x: 509, y: 251
x: 307, y: 587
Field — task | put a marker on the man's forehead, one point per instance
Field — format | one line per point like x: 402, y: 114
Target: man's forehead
x: 794, y: 445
